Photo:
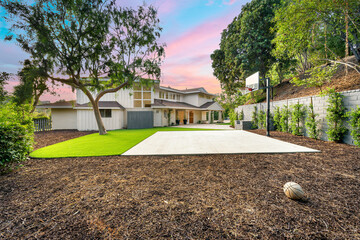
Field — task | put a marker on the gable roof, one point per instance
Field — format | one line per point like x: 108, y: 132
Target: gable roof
x: 187, y: 91
x: 159, y: 103
x: 62, y: 104
x: 169, y: 104
x: 72, y: 104
x: 102, y: 105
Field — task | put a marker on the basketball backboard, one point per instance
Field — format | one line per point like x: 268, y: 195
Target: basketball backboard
x: 252, y: 82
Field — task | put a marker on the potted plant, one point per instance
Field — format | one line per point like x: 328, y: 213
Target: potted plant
x: 177, y: 121
x: 185, y: 121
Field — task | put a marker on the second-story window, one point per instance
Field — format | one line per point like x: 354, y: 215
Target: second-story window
x: 178, y: 97
x: 142, y: 96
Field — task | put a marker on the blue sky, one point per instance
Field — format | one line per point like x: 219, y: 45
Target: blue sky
x: 192, y: 30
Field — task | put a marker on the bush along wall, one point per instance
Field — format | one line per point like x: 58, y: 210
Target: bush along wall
x: 320, y: 116
x: 311, y: 122
x: 255, y: 119
x: 297, y: 118
x: 336, y: 116
x: 16, y: 136
x: 285, y: 114
x: 354, y: 122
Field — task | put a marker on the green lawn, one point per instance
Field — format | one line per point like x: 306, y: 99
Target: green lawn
x: 114, y: 143
x: 223, y: 124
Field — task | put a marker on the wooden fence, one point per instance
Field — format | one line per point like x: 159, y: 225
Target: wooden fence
x: 42, y: 124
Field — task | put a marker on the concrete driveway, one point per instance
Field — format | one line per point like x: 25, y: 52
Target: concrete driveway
x: 212, y: 142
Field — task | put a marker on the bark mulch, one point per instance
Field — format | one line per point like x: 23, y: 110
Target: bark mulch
x: 236, y: 196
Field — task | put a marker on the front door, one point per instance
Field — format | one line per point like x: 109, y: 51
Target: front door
x: 191, y: 117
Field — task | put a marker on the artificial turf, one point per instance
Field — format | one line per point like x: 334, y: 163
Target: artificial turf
x: 114, y: 143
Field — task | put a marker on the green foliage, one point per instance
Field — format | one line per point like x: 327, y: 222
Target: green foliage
x: 33, y: 83
x: 4, y: 77
x: 245, y: 45
x: 277, y: 118
x: 314, y: 29
x: 355, y: 125
x: 311, y: 122
x: 255, y: 118
x: 241, y: 115
x: 318, y: 77
x: 297, y: 116
x: 262, y: 119
x: 284, y: 119
x: 16, y: 135
x: 83, y: 40
x: 336, y: 115
x: 232, y: 116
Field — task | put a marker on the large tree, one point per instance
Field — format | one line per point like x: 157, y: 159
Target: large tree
x: 315, y: 30
x: 246, y: 45
x: 80, y: 41
x: 33, y: 83
x: 4, y: 77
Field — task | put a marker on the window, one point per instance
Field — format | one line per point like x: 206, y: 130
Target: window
x: 167, y: 95
x: 147, y: 103
x: 105, y: 113
x: 178, y: 97
x: 146, y: 95
x: 142, y: 96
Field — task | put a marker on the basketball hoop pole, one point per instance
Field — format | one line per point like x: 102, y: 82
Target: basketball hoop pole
x: 268, y: 88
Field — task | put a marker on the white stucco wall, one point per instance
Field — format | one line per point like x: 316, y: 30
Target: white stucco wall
x: 86, y: 120
x: 63, y: 119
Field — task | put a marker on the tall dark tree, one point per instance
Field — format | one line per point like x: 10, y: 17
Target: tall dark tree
x: 316, y: 30
x: 246, y: 45
x: 4, y: 77
x: 33, y: 83
x: 80, y: 41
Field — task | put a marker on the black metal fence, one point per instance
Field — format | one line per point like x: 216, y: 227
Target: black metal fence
x: 42, y: 124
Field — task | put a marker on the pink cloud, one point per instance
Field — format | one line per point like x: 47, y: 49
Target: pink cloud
x: 230, y: 2
x: 188, y: 62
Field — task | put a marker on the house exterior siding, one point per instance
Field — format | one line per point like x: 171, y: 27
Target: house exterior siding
x: 63, y: 119
x: 86, y: 120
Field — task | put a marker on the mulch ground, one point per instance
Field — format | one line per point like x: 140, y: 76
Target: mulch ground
x: 184, y: 197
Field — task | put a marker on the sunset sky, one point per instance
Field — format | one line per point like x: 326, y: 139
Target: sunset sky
x: 192, y: 30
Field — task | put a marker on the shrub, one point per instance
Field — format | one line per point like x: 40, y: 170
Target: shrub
x: 277, y: 118
x: 241, y: 115
x: 232, y: 116
x: 284, y: 119
x: 311, y: 122
x: 355, y: 125
x: 297, y: 116
x: 336, y: 115
x: 254, y: 119
x: 16, y: 135
x: 262, y: 119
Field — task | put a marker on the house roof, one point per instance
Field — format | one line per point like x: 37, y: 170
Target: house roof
x: 206, y: 105
x: 159, y: 103
x: 187, y: 91
x: 102, y: 104
x: 72, y: 104
x: 169, y: 104
x: 62, y: 104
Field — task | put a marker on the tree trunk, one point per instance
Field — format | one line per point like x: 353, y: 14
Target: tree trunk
x: 95, y: 106
x: 102, y: 130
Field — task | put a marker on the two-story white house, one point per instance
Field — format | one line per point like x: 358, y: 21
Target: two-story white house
x: 140, y: 107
